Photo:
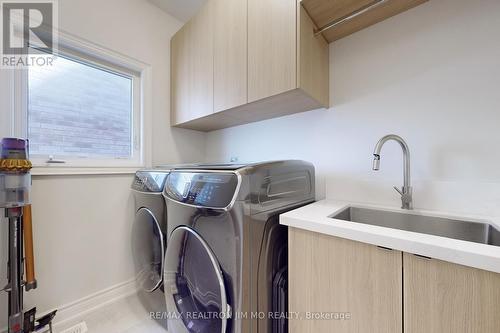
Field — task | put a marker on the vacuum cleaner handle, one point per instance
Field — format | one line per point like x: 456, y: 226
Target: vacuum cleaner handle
x: 28, y: 249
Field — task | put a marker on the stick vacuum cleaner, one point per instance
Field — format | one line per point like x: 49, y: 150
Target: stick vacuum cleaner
x: 15, y: 185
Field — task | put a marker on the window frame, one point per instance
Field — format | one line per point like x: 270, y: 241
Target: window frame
x: 79, y: 50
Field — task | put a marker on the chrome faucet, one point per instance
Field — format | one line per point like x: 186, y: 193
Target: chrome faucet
x: 406, y: 190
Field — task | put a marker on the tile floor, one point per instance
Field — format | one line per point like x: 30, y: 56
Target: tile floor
x: 127, y: 315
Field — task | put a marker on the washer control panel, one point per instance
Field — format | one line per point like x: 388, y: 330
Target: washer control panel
x: 149, y: 181
x: 212, y: 190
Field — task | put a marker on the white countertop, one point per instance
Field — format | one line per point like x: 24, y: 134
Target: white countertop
x: 316, y: 217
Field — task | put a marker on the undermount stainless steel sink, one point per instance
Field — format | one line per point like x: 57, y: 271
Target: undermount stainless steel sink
x: 476, y: 232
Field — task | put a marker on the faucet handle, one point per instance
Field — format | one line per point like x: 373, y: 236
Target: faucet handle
x: 399, y: 190
x: 406, y: 197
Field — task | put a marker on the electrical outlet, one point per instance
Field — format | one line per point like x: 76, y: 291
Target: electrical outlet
x: 79, y: 328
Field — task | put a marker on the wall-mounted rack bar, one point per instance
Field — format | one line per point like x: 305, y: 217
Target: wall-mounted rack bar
x: 336, y: 19
x: 349, y: 17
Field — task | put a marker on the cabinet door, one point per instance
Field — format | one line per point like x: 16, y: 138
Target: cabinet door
x: 272, y: 47
x: 230, y: 54
x: 193, y: 68
x: 329, y: 275
x: 179, y: 73
x: 441, y: 297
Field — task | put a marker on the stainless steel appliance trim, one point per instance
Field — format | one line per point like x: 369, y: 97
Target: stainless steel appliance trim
x: 162, y: 244
x: 218, y: 271
x: 227, y: 208
x: 268, y: 190
x: 148, y: 193
x: 143, y: 171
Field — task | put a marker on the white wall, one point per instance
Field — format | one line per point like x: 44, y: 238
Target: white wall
x: 82, y: 223
x: 431, y: 75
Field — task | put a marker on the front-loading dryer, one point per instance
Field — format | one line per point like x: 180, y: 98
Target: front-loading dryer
x: 226, y: 262
x: 149, y: 238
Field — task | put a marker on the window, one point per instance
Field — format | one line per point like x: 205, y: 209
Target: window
x: 84, y: 111
x: 76, y: 110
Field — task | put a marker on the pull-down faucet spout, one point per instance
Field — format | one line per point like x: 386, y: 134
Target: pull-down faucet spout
x: 406, y: 190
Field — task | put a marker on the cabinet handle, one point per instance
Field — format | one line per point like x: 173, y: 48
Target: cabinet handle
x: 422, y: 257
x: 385, y: 248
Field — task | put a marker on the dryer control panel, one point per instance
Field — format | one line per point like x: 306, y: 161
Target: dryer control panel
x: 203, y: 189
x: 149, y: 181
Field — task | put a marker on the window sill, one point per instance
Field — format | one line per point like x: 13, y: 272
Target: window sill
x: 75, y: 171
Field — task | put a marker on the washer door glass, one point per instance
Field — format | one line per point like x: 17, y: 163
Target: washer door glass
x: 148, y: 250
x: 194, y: 285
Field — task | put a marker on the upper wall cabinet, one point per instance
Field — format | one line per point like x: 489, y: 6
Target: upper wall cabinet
x: 240, y: 61
x: 192, y: 68
x: 230, y: 54
x: 255, y: 59
x: 272, y: 48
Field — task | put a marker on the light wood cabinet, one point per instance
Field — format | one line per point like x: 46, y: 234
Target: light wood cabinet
x: 272, y: 48
x: 179, y: 73
x: 333, y: 275
x: 441, y: 297
x: 313, y: 58
x: 230, y: 54
x: 261, y: 57
x: 192, y: 68
x: 385, y: 290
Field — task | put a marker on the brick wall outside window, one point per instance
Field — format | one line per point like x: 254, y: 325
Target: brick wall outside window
x: 78, y: 110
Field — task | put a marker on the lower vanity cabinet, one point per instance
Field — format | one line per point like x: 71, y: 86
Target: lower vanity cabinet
x: 441, y: 297
x: 338, y: 285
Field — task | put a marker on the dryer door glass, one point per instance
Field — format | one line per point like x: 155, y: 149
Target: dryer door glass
x: 194, y: 285
x: 148, y: 250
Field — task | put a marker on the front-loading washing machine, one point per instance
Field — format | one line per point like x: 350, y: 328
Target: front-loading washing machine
x: 226, y: 262
x: 149, y: 237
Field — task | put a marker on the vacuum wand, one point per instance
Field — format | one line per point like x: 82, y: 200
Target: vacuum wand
x: 15, y: 285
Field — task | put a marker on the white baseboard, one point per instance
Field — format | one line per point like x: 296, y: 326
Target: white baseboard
x: 71, y: 312
x: 81, y: 307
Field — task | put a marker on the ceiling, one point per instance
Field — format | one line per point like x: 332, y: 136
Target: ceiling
x: 183, y: 10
